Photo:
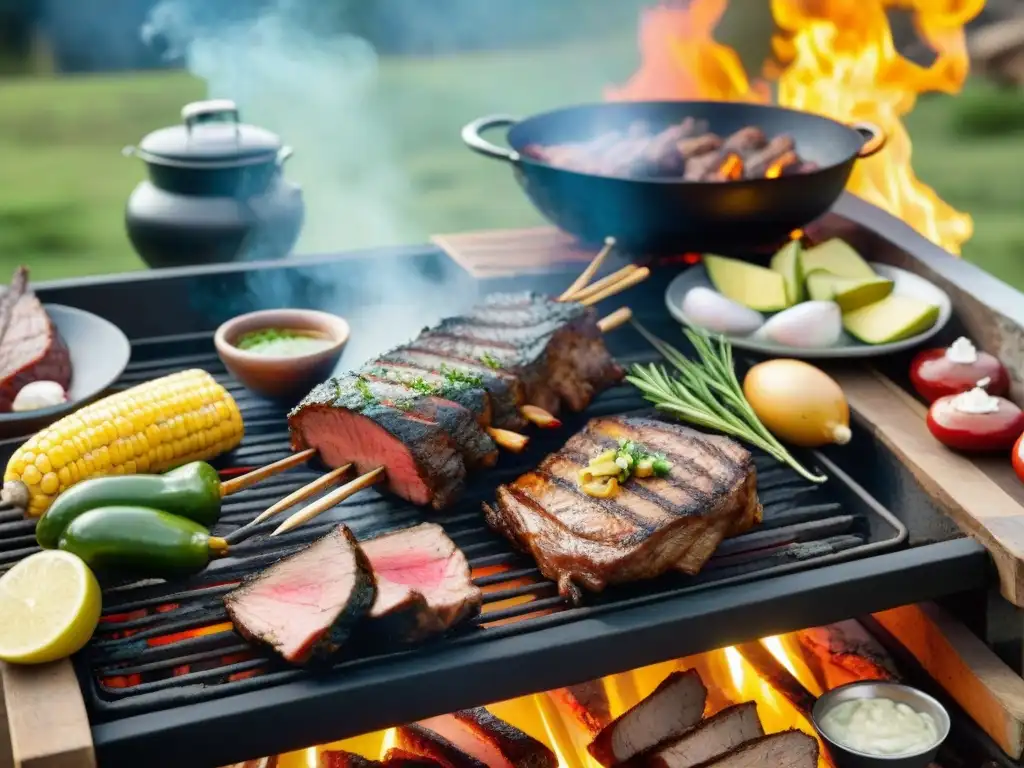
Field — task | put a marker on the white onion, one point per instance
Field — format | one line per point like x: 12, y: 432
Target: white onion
x: 714, y: 312
x: 810, y: 325
x: 39, y: 394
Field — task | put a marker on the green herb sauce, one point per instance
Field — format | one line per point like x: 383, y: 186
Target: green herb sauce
x: 282, y: 342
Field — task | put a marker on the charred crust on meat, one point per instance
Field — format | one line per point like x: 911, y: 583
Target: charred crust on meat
x: 424, y: 742
x: 521, y: 749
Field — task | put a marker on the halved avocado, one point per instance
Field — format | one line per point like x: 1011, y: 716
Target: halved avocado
x: 749, y: 284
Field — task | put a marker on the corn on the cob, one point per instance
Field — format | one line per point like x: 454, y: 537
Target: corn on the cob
x: 153, y: 427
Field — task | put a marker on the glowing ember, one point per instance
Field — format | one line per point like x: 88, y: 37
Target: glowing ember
x: 835, y: 58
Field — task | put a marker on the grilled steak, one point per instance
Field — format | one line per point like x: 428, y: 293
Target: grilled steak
x: 473, y: 398
x: 587, y: 703
x: 350, y: 419
x: 491, y: 740
x: 395, y: 758
x: 653, y: 525
x: 676, y: 705
x: 424, y: 585
x: 422, y: 741
x: 789, y: 749
x: 306, y: 605
x: 31, y: 349
x: 555, y: 349
x: 399, y: 758
x: 713, y: 737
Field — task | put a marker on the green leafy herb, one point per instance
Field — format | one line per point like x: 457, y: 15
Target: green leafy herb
x: 633, y: 458
x: 364, y: 390
x: 490, y: 361
x: 707, y: 393
x: 403, y: 405
x: 459, y: 377
x: 419, y: 384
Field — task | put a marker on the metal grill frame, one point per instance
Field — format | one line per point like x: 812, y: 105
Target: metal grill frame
x: 443, y: 678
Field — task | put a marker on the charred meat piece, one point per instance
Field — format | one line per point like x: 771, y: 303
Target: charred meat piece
x: 789, y: 749
x: 676, y: 705
x: 491, y: 740
x: 306, y: 605
x: 345, y: 420
x: 652, y: 526
x: 399, y: 758
x: 554, y: 348
x: 424, y: 742
x: 395, y: 758
x: 424, y: 585
x: 473, y: 398
x: 31, y: 348
x: 587, y: 703
x: 713, y: 737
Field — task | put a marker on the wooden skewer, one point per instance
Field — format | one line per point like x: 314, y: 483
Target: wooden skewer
x: 510, y: 441
x: 303, y: 493
x: 618, y: 318
x: 592, y: 267
x: 333, y: 498
x: 251, y: 478
x: 635, y: 277
x: 604, y: 282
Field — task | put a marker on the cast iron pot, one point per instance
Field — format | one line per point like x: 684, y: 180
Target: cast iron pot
x: 215, y: 192
x: 659, y: 216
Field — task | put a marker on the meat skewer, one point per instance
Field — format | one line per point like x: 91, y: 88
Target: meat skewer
x: 585, y: 276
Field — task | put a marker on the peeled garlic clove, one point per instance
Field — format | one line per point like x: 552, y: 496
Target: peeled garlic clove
x: 39, y: 394
x: 810, y: 325
x: 714, y: 312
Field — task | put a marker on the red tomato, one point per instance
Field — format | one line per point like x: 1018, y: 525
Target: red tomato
x: 934, y: 375
x: 1017, y: 458
x: 995, y: 431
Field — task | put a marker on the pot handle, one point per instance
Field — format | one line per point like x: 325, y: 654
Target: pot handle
x: 472, y: 138
x: 205, y: 111
x: 874, y: 138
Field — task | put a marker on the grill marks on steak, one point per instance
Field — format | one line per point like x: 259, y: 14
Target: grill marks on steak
x: 491, y: 740
x: 713, y: 737
x: 676, y: 705
x: 424, y: 464
x: 652, y: 526
x: 789, y: 749
x: 476, y: 400
x: 424, y: 586
x: 31, y: 348
x: 306, y: 605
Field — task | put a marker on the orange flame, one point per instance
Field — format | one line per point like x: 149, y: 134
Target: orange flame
x: 832, y: 57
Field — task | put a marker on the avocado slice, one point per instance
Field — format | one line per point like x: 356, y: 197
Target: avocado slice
x: 837, y: 257
x: 891, y: 319
x: 820, y: 285
x: 788, y: 263
x: 750, y: 285
x: 853, y: 293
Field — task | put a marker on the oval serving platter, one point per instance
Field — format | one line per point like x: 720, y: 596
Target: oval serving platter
x: 904, y: 283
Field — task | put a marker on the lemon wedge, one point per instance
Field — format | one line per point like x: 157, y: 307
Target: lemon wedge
x: 50, y: 606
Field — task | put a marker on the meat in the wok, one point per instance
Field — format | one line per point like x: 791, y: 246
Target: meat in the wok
x: 654, y: 525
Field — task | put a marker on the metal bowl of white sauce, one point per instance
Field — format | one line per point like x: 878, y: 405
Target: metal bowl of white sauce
x: 876, y: 724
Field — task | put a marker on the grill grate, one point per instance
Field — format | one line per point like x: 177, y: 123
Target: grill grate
x: 162, y: 645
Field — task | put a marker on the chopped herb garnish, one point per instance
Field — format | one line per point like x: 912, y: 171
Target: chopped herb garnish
x: 403, y: 405
x: 617, y: 465
x: 490, y: 361
x: 364, y: 390
x: 459, y: 377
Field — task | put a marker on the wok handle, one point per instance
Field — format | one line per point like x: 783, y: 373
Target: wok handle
x: 472, y: 138
x: 874, y: 138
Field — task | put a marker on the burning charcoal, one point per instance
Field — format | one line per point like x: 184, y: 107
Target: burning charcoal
x: 745, y: 140
x: 758, y: 164
x: 731, y: 169
x: 661, y: 156
x: 742, y: 143
x: 698, y: 145
x: 676, y: 705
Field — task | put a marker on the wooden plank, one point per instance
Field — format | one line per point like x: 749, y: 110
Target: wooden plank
x: 6, y: 757
x: 956, y: 483
x: 46, y: 716
x: 978, y: 680
x: 499, y: 252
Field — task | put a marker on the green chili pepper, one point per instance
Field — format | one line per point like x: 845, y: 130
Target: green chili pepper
x: 191, y: 491
x: 140, y: 541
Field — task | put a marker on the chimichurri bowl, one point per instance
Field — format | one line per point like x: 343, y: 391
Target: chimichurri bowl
x: 281, y: 352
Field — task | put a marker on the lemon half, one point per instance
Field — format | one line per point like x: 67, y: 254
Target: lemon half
x: 49, y: 607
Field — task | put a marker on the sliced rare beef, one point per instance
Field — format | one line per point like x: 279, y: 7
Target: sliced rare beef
x: 676, y: 705
x: 466, y: 393
x: 306, y: 605
x: 587, y: 703
x: 555, y: 348
x: 424, y: 586
x: 789, y: 749
x: 653, y: 525
x: 713, y: 737
x: 422, y: 741
x: 346, y: 423
x: 491, y: 740
x: 31, y: 348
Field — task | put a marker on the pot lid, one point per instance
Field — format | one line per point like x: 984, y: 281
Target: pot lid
x: 211, y: 134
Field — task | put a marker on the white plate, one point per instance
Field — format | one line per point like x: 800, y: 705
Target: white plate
x: 904, y: 284
x: 99, y: 354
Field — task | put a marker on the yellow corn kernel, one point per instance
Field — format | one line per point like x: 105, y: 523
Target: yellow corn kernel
x: 602, y: 489
x: 153, y: 427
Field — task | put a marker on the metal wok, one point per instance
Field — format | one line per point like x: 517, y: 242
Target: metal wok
x: 659, y: 215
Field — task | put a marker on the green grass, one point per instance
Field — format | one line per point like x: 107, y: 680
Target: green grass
x: 65, y: 181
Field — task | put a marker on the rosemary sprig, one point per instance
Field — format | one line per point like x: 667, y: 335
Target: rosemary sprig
x: 707, y: 393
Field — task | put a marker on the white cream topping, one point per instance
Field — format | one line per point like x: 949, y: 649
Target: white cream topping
x: 962, y: 351
x: 880, y: 727
x: 38, y: 394
x: 976, y: 400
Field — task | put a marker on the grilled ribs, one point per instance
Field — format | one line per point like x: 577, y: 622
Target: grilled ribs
x: 654, y: 525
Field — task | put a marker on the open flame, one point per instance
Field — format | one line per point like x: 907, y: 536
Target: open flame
x: 809, y: 661
x: 832, y: 57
